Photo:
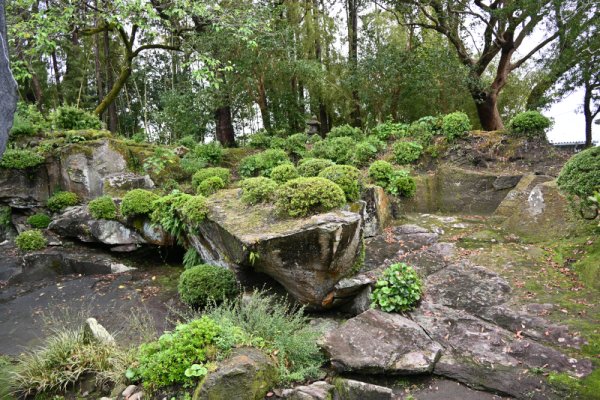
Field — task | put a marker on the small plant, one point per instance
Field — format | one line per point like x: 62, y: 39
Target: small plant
x: 531, y: 124
x: 103, y: 208
x: 407, y: 152
x: 381, y: 172
x: 364, y: 152
x: 310, y: 167
x: 20, y: 159
x: 202, y: 155
x: 284, y: 172
x: 456, y: 125
x: 303, y: 196
x: 346, y: 177
x: 191, y: 258
x: 202, y: 284
x: 399, y: 289
x: 258, y: 190
x: 210, y: 186
x: 205, y: 173
x: 296, y: 144
x: 31, y: 240
x: 166, y: 213
x: 138, y: 202
x: 260, y: 140
x: 340, y: 150
x: 61, y: 200
x: 73, y: 118
x: 39, y: 221
x: 401, y: 184
x: 159, y: 160
x: 28, y: 121
x: 194, y: 210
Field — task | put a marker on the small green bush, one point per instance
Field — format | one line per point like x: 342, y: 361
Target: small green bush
x: 194, y: 210
x: 203, y: 284
x: 531, y: 124
x: 381, y: 172
x: 103, y: 208
x: 260, y: 140
x: 138, y: 202
x: 61, y: 200
x: 580, y: 176
x: 284, y: 172
x: 166, y: 213
x: 39, y: 221
x: 202, y: 155
x: 310, y: 167
x: 346, y: 177
x: 28, y: 121
x: 258, y: 190
x: 456, y: 125
x: 31, y: 240
x: 188, y: 141
x: 345, y: 131
x: 364, y: 152
x: 206, y: 173
x: 296, y: 144
x: 20, y: 159
x: 401, y: 184
x: 210, y: 186
x: 398, y: 290
x: 262, y: 163
x: 302, y: 196
x: 388, y: 130
x: 407, y: 152
x: 340, y: 150
x: 70, y: 118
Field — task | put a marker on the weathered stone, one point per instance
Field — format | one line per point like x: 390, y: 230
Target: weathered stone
x: 430, y: 260
x: 348, y: 389
x: 307, y: 256
x: 24, y: 188
x: 129, y: 391
x: 319, y: 390
x: 247, y: 374
x: 506, y: 181
x: 518, y: 195
x: 126, y: 181
x: 8, y: 86
x: 377, y: 342
x: 360, y: 302
x: 156, y: 235
x: 93, y: 332
x: 10, y: 262
x: 378, y: 210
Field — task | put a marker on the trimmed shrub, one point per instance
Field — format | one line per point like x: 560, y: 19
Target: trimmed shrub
x: 346, y: 177
x: 20, y: 159
x: 531, y: 124
x: 205, y: 173
x: 345, y: 131
x: 407, y: 152
x: 31, y: 240
x: 138, y: 202
x: 210, y: 186
x: 103, y: 208
x: 39, y: 221
x: 61, y: 200
x: 283, y: 173
x: 456, y: 125
x: 296, y: 144
x: 258, y: 190
x: 401, y: 184
x: 70, y: 118
x: 202, y: 155
x: 194, y: 209
x: 580, y: 176
x: 262, y: 163
x: 398, y: 290
x: 302, y: 196
x: 309, y: 167
x: 381, y: 172
x: 340, y: 149
x: 203, y: 284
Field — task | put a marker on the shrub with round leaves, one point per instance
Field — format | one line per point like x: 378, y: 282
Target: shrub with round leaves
x: 39, y: 221
x: 401, y: 184
x: 381, y: 172
x: 580, y: 176
x: 313, y: 166
x: 203, y: 284
x: 258, y: 190
x: 531, y: 124
x: 303, y: 196
x: 346, y: 177
x: 31, y: 240
x: 205, y: 173
x: 138, y: 202
x: 210, y: 185
x: 407, y: 152
x: 398, y: 290
x: 194, y: 209
x: 283, y: 173
x: 456, y: 125
x: 61, y: 200
x: 103, y: 208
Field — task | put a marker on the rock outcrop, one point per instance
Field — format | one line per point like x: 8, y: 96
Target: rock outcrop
x: 28, y: 188
x: 377, y: 213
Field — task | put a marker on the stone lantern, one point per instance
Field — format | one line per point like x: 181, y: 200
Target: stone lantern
x: 314, y: 126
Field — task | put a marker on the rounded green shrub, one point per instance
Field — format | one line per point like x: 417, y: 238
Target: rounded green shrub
x: 258, y: 190
x: 401, y: 184
x: 20, y: 159
x: 202, y: 155
x: 203, y: 284
x: 260, y: 140
x: 388, y: 129
x: 210, y: 186
x: 531, y: 124
x: 381, y: 172
x: 138, y: 202
x: 302, y: 196
x: 456, y: 125
x: 103, y: 208
x: 194, y: 209
x: 69, y: 118
x: 364, y: 152
x: 407, y: 152
x: 346, y: 177
x: 61, y: 200
x: 580, y: 176
x: 309, y: 167
x: 399, y: 289
x: 296, y: 144
x: 206, y: 173
x: 284, y: 172
x: 31, y: 240
x: 340, y: 150
x: 345, y: 131
x: 39, y: 221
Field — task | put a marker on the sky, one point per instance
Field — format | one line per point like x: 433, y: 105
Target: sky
x: 569, y: 124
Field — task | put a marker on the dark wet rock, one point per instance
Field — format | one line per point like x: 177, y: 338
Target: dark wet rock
x: 123, y: 181
x: 319, y: 390
x: 156, y: 235
x: 468, y: 287
x: 247, y: 374
x: 360, y: 303
x: 10, y: 261
x: 349, y: 389
x: 377, y: 212
x: 506, y: 181
x: 307, y: 256
x: 413, y: 237
x: 486, y: 356
x: 432, y: 259
x: 380, y: 343
x: 28, y: 188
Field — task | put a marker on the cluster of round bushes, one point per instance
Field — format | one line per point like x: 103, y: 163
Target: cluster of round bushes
x: 208, y: 181
x: 262, y: 164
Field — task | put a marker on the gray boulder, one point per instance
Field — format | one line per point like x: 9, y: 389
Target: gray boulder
x: 123, y: 181
x: 93, y: 332
x: 24, y: 188
x: 348, y: 389
x: 319, y: 390
x: 379, y: 343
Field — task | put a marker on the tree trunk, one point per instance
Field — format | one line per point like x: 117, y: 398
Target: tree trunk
x: 352, y: 15
x: 97, y: 63
x: 487, y: 110
x: 224, y: 126
x: 262, y: 103
x: 587, y: 112
x: 112, y: 107
x: 115, y: 89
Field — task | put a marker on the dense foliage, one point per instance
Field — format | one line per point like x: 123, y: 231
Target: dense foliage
x: 194, y: 209
x: 138, y: 202
x: 103, y: 208
x: 284, y: 172
x: 31, y: 240
x: 262, y: 163
x: 456, y: 125
x: 205, y: 173
x: 203, y: 284
x: 258, y: 190
x: 73, y: 118
x: 346, y: 177
x: 166, y: 213
x: 530, y: 124
x: 303, y: 196
x: 309, y: 167
x: 398, y: 290
x: 20, y: 159
x: 210, y: 185
x: 580, y: 176
x: 407, y: 152
x: 39, y: 221
x: 61, y: 200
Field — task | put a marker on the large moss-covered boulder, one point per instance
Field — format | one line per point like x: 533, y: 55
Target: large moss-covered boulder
x: 308, y: 256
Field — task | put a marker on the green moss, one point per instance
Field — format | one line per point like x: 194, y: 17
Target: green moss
x: 360, y: 261
x: 20, y: 159
x: 194, y: 210
x: 61, y: 200
x: 573, y: 388
x: 5, y: 216
x: 31, y: 240
x: 103, y: 208
x: 138, y: 202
